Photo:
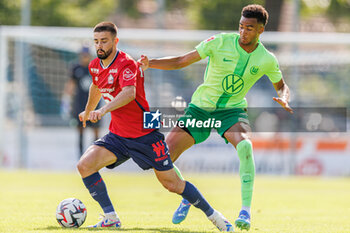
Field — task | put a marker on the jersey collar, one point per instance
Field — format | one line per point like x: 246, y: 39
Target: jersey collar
x: 115, y: 57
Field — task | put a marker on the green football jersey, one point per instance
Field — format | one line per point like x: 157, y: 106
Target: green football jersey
x: 231, y: 72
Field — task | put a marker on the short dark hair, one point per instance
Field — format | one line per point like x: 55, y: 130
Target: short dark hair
x: 106, y: 26
x: 256, y: 11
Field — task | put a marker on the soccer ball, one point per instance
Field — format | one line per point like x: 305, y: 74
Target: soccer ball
x: 71, y: 212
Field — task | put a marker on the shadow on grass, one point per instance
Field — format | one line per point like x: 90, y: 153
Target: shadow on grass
x: 135, y: 229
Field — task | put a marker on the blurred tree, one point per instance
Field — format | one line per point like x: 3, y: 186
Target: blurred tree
x: 129, y: 7
x: 58, y: 13
x: 219, y: 14
x: 10, y: 12
x: 339, y: 9
x: 176, y: 4
x: 274, y: 8
x: 71, y: 13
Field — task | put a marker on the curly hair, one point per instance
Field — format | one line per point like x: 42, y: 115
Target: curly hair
x: 256, y: 11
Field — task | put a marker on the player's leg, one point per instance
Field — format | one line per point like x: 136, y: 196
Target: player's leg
x: 179, y: 140
x: 171, y: 181
x: 239, y: 136
x: 95, y: 158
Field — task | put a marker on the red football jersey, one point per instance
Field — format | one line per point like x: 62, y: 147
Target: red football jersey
x: 127, y: 121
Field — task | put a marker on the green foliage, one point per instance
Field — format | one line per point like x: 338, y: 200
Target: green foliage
x: 10, y: 12
x: 339, y: 8
x: 58, y: 13
x: 176, y: 4
x: 219, y: 14
x: 129, y: 7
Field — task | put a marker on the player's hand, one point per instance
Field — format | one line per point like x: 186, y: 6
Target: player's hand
x: 96, y: 115
x: 143, y: 62
x: 284, y: 103
x: 83, y: 117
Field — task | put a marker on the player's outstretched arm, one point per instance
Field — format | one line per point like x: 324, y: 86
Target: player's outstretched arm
x: 93, y: 99
x: 143, y: 62
x: 283, y: 95
x: 124, y: 97
x: 170, y: 63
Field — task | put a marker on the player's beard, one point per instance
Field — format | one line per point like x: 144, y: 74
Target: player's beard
x: 105, y: 54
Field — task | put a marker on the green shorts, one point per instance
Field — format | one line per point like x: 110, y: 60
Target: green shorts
x: 199, y: 122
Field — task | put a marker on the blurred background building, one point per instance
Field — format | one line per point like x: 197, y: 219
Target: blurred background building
x: 40, y: 40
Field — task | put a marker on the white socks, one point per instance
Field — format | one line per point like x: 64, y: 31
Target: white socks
x: 111, y: 215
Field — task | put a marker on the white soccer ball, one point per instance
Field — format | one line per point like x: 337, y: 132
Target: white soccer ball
x: 71, y: 212
x: 179, y: 103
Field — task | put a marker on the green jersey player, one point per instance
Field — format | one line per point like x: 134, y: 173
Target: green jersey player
x: 236, y: 62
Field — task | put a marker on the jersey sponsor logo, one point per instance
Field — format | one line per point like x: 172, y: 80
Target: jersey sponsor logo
x: 151, y: 120
x: 107, y: 90
x: 113, y: 71
x: 232, y: 84
x: 128, y: 74
x: 227, y: 60
x: 254, y: 70
x: 110, y: 79
x: 94, y: 70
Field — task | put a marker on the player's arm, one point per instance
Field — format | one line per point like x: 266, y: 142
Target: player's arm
x: 93, y: 99
x: 283, y: 95
x: 127, y: 94
x: 169, y: 63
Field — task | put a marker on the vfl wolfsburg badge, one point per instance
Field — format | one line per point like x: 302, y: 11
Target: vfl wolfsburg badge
x: 254, y: 70
x: 232, y: 84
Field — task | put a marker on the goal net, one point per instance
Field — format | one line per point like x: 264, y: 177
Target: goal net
x: 35, y: 64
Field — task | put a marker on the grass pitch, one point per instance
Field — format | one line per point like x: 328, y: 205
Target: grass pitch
x: 28, y: 202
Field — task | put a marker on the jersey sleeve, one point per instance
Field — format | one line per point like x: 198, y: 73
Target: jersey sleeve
x: 273, y: 71
x: 206, y: 47
x: 128, y: 75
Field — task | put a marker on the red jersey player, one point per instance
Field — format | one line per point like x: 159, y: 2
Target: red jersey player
x: 127, y: 121
x: 119, y: 80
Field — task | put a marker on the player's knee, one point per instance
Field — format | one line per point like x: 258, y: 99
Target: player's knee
x: 174, y: 155
x: 80, y: 167
x: 83, y: 167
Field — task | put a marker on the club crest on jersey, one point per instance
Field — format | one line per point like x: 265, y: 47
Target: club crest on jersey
x: 128, y: 74
x: 254, y: 70
x: 110, y: 79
